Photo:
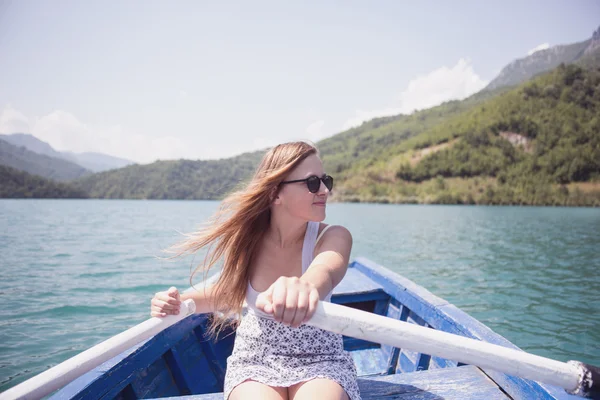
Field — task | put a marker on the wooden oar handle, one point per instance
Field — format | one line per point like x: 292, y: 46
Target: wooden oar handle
x: 576, y: 378
x: 65, y: 372
x: 589, y: 385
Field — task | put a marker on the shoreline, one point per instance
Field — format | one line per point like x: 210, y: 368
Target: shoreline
x: 381, y: 200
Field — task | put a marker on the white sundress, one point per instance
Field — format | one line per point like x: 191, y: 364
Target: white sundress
x: 275, y: 354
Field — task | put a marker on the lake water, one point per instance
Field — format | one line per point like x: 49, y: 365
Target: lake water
x: 75, y: 272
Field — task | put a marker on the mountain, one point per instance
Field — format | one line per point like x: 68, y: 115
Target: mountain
x: 538, y: 143
x: 31, y: 143
x: 595, y: 45
x: 591, y: 55
x: 172, y: 179
x: 39, y: 164
x: 360, y: 145
x: 19, y: 184
x: 95, y: 162
x: 535, y: 143
x: 541, y: 61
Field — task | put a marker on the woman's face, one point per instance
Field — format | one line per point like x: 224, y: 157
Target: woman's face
x: 296, y: 199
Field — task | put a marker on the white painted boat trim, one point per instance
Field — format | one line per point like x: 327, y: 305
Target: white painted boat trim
x: 69, y: 370
x: 334, y: 318
x: 376, y: 328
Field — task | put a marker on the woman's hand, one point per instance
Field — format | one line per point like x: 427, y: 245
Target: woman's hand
x: 165, y: 303
x: 291, y: 301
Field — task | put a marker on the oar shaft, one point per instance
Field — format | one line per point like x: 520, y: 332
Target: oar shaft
x: 67, y: 371
x: 375, y: 328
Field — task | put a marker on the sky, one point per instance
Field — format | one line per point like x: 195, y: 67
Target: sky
x: 149, y: 80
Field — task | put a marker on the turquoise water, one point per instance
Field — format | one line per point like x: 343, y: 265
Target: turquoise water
x: 75, y: 272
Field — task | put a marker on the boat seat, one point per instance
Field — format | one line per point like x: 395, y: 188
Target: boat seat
x: 355, y: 282
x: 466, y: 382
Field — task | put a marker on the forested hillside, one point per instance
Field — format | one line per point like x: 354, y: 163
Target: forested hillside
x: 536, y: 144
x: 554, y: 128
x: 21, y: 158
x: 173, y: 179
x: 20, y: 184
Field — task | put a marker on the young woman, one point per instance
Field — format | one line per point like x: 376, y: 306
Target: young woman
x: 279, y: 258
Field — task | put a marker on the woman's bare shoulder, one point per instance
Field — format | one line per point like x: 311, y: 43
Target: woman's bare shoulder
x: 327, y: 230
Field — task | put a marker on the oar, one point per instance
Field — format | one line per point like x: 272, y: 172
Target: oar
x: 67, y: 371
x: 575, y: 377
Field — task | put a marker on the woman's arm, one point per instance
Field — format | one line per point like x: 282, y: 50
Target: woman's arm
x: 331, y: 261
x: 293, y: 300
x: 169, y: 301
x: 203, y: 297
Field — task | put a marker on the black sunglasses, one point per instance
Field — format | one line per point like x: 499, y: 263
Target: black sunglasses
x: 314, y: 182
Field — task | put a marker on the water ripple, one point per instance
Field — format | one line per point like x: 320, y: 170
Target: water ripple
x: 528, y: 273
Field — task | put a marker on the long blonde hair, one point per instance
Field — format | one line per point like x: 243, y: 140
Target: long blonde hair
x: 235, y: 231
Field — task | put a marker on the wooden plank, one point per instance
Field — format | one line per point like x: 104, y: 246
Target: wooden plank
x: 370, y: 362
x: 444, y: 384
x: 390, y: 280
x: 378, y: 296
x: 123, y: 390
x: 440, y: 314
x: 221, y: 348
x: 195, y: 365
x: 411, y: 361
x: 515, y: 387
x: 407, y: 362
x: 368, y: 280
x: 126, y: 394
x: 354, y: 282
x: 114, y: 375
x: 394, y: 311
x: 448, y: 384
x: 419, y: 300
x: 438, y: 362
x: 207, y: 396
x: 353, y: 344
x: 155, y: 381
x: 419, y: 306
x: 56, y: 377
x: 373, y: 300
x: 173, y: 361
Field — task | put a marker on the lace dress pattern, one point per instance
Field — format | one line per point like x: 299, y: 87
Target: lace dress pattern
x: 275, y: 354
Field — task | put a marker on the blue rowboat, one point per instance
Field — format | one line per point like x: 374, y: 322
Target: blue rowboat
x: 182, y: 362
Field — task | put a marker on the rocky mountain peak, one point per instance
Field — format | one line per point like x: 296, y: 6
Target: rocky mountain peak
x: 594, y: 42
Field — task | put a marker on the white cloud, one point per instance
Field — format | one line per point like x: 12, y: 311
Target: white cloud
x: 425, y: 91
x: 12, y: 121
x: 542, y: 46
x: 314, y: 131
x: 64, y: 132
x: 441, y: 85
x: 361, y: 116
x: 259, y: 142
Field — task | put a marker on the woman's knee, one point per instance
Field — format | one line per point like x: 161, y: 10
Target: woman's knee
x: 255, y: 390
x: 319, y: 388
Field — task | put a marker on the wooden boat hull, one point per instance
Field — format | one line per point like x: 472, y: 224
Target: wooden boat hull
x: 183, y: 362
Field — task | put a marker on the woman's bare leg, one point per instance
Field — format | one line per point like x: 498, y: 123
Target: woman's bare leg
x: 257, y: 390
x: 319, y: 388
